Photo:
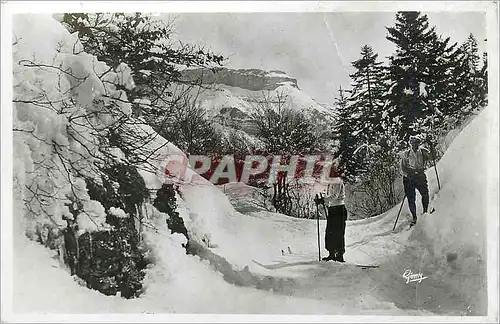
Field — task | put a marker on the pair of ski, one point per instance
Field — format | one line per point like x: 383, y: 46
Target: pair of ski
x: 362, y: 266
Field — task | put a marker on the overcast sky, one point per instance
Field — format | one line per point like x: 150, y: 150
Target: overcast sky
x: 316, y: 48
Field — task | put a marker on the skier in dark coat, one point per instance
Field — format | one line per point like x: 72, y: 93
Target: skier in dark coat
x: 413, y: 163
x: 334, y: 201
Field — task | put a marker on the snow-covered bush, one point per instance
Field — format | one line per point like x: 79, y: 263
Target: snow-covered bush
x: 143, y: 43
x: 110, y: 261
x: 66, y: 105
x: 57, y: 124
x: 165, y: 202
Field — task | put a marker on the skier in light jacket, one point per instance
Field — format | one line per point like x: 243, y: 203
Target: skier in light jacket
x: 413, y: 164
x: 335, y: 221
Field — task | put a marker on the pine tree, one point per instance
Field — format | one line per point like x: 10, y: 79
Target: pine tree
x: 359, y: 121
x: 343, y: 131
x: 420, y: 71
x: 472, y: 50
x: 367, y: 96
x: 475, y: 81
x: 463, y: 92
x: 465, y: 75
x: 368, y: 91
x: 467, y: 84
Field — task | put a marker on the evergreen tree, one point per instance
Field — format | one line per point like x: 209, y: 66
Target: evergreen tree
x: 367, y: 94
x: 420, y: 72
x: 466, y: 85
x: 365, y: 138
x: 343, y: 132
x: 359, y: 116
x: 465, y: 81
x: 472, y: 50
x: 366, y: 101
x: 461, y: 84
x: 475, y: 80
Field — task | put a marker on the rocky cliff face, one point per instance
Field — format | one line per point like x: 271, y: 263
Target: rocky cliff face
x: 250, y: 79
x: 230, y: 96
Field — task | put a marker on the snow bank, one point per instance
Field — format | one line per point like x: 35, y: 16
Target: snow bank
x: 456, y: 233
x: 42, y: 285
x: 449, y: 246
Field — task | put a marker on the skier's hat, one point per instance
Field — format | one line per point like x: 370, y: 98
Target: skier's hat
x: 415, y: 139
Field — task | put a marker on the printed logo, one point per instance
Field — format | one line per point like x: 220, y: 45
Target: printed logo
x: 413, y: 277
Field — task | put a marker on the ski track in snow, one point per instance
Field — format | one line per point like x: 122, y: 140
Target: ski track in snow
x: 299, y: 274
x: 305, y: 277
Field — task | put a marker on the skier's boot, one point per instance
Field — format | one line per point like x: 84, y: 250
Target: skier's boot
x: 339, y: 257
x: 426, y: 212
x: 329, y: 257
x: 413, y: 221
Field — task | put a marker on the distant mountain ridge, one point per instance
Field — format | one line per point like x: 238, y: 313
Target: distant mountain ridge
x: 230, y: 95
x: 250, y: 79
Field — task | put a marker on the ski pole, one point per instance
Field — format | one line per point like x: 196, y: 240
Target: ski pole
x: 399, y: 212
x: 435, y: 169
x: 317, y: 224
x: 434, y: 162
x: 324, y: 206
x: 326, y: 212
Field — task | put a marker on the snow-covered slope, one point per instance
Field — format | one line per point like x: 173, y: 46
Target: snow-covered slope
x: 219, y: 96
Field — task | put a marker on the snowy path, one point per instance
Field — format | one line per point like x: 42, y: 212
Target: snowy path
x: 257, y: 240
x: 299, y: 274
x: 297, y: 284
x: 246, y: 272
